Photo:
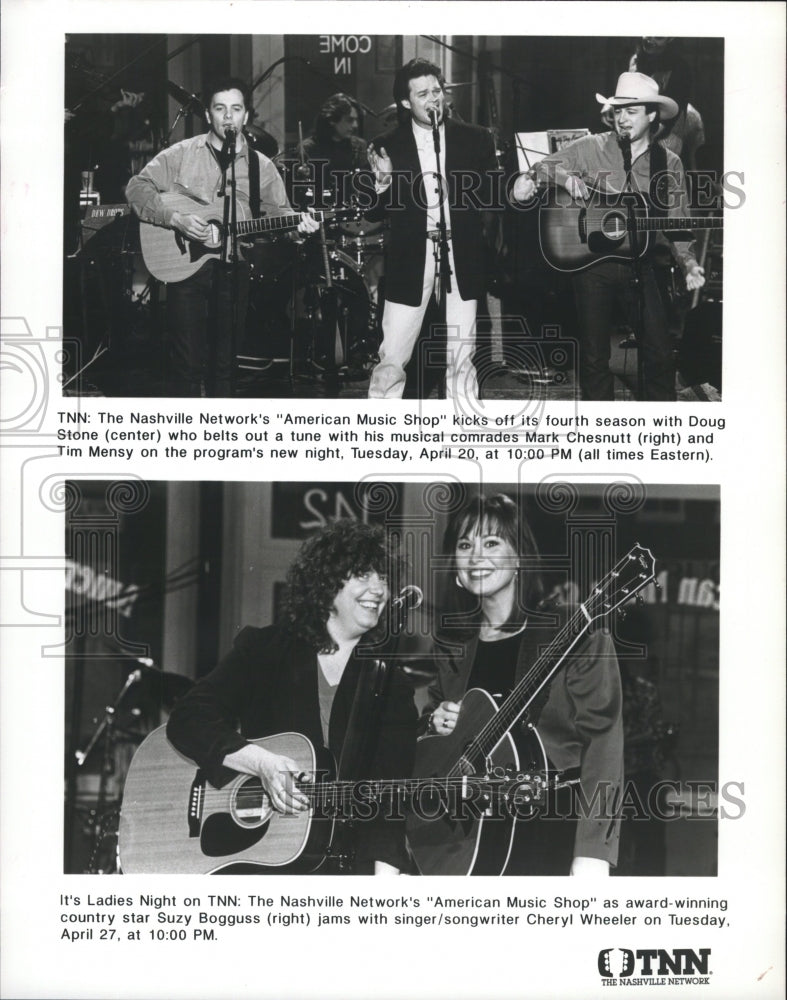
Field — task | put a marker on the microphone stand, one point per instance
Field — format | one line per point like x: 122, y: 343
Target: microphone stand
x: 636, y: 266
x: 229, y: 242
x: 443, y: 262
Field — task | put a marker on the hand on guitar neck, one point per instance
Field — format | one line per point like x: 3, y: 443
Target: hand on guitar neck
x: 198, y: 230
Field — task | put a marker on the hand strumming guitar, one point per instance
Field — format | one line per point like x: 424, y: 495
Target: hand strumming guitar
x: 695, y: 277
x: 276, y: 772
x: 191, y: 226
x: 576, y: 187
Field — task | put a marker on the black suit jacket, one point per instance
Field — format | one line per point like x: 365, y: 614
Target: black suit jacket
x: 471, y: 168
x: 267, y: 684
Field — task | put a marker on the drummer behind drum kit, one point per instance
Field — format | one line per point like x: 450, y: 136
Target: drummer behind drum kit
x: 97, y: 791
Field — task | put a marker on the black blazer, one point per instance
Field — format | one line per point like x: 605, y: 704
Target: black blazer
x: 471, y: 168
x: 267, y: 684
x: 579, y: 719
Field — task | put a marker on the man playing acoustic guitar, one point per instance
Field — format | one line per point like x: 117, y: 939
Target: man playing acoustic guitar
x: 628, y: 158
x: 206, y: 311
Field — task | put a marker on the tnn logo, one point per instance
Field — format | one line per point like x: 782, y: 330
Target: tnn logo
x: 621, y: 962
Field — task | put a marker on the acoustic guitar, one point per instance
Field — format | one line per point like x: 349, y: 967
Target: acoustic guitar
x: 173, y: 821
x: 575, y: 235
x: 171, y: 256
x: 440, y: 844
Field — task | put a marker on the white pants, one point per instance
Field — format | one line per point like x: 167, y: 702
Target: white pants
x: 401, y: 326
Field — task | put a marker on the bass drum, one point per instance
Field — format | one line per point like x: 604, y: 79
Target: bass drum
x: 287, y: 304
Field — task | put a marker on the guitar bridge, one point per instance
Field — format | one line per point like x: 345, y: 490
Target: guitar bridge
x: 196, y: 800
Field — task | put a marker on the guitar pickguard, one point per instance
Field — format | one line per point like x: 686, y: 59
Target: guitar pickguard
x: 221, y: 836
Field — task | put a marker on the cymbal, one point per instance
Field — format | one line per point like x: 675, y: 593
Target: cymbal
x: 185, y: 98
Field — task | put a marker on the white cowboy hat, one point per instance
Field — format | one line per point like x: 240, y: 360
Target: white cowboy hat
x: 636, y: 88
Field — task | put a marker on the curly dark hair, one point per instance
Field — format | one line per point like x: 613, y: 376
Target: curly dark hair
x: 326, y: 561
x: 332, y: 111
x: 500, y: 514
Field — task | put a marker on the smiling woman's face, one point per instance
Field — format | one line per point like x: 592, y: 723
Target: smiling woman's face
x: 486, y: 562
x: 358, y: 605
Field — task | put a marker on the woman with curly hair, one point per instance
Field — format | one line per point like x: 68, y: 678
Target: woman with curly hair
x: 499, y: 625
x: 301, y: 676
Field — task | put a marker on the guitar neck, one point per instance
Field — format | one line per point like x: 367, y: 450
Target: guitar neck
x: 344, y: 795
x: 634, y: 571
x: 272, y: 224
x: 692, y: 222
x: 526, y: 690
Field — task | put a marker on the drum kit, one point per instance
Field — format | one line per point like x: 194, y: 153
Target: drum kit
x: 99, y: 768
x: 322, y: 297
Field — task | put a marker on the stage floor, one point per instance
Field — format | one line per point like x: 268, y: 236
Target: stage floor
x: 140, y: 374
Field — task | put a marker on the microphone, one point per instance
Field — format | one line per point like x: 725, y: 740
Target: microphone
x: 433, y: 118
x: 624, y: 141
x: 230, y: 136
x: 409, y: 598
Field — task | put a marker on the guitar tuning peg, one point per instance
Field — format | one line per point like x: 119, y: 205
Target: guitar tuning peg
x: 656, y: 584
x: 621, y: 615
x: 640, y: 600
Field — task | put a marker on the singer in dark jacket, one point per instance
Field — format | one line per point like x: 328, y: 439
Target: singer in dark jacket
x: 605, y: 162
x: 405, y: 164
x: 301, y: 676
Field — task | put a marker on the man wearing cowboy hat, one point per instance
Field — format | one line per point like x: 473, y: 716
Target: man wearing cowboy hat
x: 629, y: 157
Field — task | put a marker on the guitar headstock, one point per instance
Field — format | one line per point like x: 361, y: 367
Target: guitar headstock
x: 632, y: 573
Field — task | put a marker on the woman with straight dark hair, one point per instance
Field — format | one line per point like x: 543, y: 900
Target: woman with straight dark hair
x: 501, y: 625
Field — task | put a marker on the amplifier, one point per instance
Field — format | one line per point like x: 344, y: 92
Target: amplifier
x: 711, y: 256
x: 121, y: 233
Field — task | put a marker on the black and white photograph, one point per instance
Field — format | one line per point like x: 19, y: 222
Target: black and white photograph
x: 514, y: 681
x: 328, y: 552
x: 413, y: 215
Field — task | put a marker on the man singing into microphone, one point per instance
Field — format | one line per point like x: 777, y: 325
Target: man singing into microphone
x: 435, y: 177
x: 206, y: 312
x: 629, y: 157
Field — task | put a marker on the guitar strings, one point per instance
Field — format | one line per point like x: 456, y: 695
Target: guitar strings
x: 345, y: 792
x: 571, y: 632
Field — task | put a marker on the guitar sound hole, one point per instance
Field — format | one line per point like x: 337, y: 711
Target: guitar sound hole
x: 250, y: 804
x: 614, y: 226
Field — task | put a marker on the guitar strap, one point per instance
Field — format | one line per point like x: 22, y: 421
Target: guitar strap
x: 659, y: 181
x: 363, y: 721
x: 254, y: 181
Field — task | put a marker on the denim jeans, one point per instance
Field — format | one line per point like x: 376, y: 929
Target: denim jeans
x: 600, y: 293
x: 201, y: 336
